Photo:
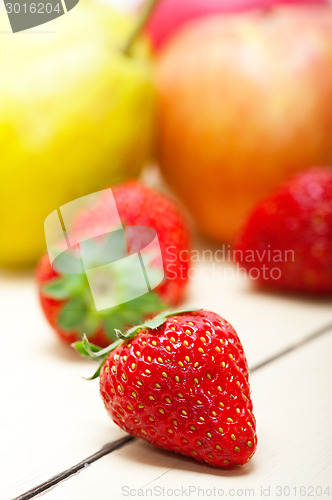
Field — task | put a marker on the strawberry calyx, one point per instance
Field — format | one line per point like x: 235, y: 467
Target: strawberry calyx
x: 78, y: 312
x: 154, y: 323
x: 91, y: 351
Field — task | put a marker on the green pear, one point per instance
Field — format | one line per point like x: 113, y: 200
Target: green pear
x: 76, y: 115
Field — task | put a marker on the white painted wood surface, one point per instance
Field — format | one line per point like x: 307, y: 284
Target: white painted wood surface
x: 51, y: 418
x: 292, y: 402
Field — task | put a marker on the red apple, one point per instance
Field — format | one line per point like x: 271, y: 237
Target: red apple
x: 170, y: 15
x: 244, y: 102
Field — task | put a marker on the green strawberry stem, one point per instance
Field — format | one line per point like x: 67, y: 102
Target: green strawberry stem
x: 78, y: 311
x: 91, y: 351
x: 142, y: 20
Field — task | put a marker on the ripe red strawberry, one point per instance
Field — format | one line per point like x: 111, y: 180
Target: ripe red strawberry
x: 180, y: 381
x: 287, y: 241
x: 66, y: 299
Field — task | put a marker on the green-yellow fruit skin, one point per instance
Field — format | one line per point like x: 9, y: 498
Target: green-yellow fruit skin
x: 76, y: 115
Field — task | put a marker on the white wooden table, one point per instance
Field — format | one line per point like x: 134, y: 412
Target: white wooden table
x: 51, y: 419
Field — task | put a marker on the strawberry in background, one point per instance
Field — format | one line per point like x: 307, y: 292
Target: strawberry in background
x: 170, y: 15
x: 290, y: 234
x: 66, y: 299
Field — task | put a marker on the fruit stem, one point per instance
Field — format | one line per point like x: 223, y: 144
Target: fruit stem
x: 147, y: 10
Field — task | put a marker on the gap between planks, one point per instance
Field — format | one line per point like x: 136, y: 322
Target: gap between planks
x: 120, y: 443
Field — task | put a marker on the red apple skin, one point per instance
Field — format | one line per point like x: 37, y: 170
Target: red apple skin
x: 245, y: 101
x: 170, y: 15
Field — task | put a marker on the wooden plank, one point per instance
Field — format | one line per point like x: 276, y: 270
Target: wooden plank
x: 293, y: 408
x: 53, y: 418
